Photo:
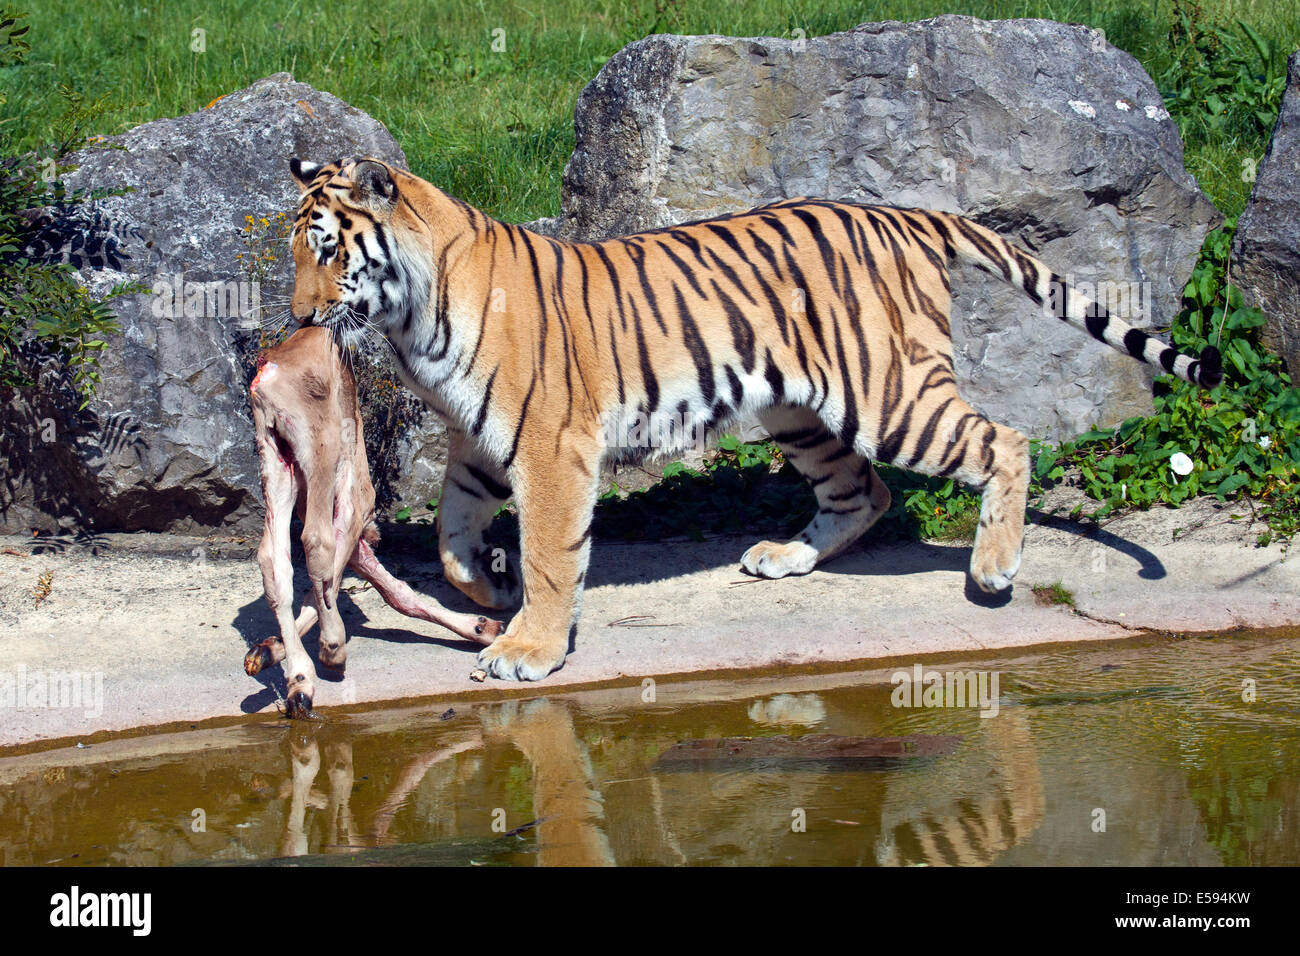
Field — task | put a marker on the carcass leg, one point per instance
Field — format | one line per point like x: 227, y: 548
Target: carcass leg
x: 400, y: 596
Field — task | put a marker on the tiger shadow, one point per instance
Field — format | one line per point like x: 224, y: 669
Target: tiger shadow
x: 683, y: 531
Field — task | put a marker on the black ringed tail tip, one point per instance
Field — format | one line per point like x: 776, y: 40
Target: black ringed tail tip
x: 1209, y: 372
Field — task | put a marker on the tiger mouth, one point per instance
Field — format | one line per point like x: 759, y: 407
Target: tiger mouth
x: 348, y: 327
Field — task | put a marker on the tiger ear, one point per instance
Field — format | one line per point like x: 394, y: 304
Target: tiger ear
x: 304, y: 173
x: 373, y: 183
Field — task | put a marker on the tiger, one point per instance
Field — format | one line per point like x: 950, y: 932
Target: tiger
x: 827, y: 320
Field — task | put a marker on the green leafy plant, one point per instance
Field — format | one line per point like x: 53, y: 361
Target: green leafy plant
x: 1221, y: 84
x: 46, y: 316
x: 1242, y: 438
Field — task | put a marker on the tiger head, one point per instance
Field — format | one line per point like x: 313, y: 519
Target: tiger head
x: 348, y: 235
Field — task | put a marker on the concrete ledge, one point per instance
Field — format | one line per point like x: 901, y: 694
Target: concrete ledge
x: 168, y: 633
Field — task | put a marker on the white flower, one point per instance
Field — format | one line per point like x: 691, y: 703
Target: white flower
x: 1180, y: 463
x: 1265, y: 443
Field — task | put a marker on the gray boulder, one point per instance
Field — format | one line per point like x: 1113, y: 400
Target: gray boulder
x: 167, y: 444
x: 1266, y: 251
x: 1039, y: 130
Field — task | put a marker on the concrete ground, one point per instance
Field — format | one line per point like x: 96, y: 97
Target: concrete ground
x: 160, y: 624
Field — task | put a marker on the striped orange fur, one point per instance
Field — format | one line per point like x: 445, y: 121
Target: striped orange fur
x: 827, y: 320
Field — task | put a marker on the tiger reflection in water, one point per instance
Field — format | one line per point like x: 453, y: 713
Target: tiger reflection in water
x: 975, y: 804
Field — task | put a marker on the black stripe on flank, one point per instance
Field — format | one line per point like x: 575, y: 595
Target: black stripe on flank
x: 773, y: 300
x: 490, y: 484
x: 846, y: 220
x: 823, y: 245
x: 618, y: 286
x: 519, y: 428
x: 637, y: 255
x: 726, y: 236
x: 774, y: 377
x: 985, y: 247
x: 683, y: 268
x: 809, y: 302
x: 690, y: 242
x: 734, y: 279
x: 541, y: 306
x: 647, y: 368
x: 487, y: 398
x: 926, y: 439
x: 618, y: 366
x: 849, y: 427
x: 737, y: 390
x: 742, y: 333
x: 776, y: 224
x: 767, y: 253
x: 892, y: 446
x: 826, y: 390
x: 695, y: 345
x: 586, y: 294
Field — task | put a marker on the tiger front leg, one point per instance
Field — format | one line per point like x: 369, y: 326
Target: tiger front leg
x: 472, y: 493
x: 556, y: 496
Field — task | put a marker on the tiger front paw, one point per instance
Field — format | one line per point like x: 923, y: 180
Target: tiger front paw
x: 521, y: 658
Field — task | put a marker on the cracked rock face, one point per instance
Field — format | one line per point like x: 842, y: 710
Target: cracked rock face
x: 1266, y: 250
x: 167, y: 444
x: 1039, y: 130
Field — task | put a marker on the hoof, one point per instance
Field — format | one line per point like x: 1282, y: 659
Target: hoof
x: 258, y: 658
x: 488, y: 629
x: 335, y: 660
x: 298, y: 707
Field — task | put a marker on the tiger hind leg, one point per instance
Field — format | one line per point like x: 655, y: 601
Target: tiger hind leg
x: 472, y: 492
x: 994, y: 460
x: 1000, y: 538
x: 850, y: 495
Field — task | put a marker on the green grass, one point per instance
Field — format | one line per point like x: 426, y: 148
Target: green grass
x: 1053, y: 594
x: 496, y: 128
